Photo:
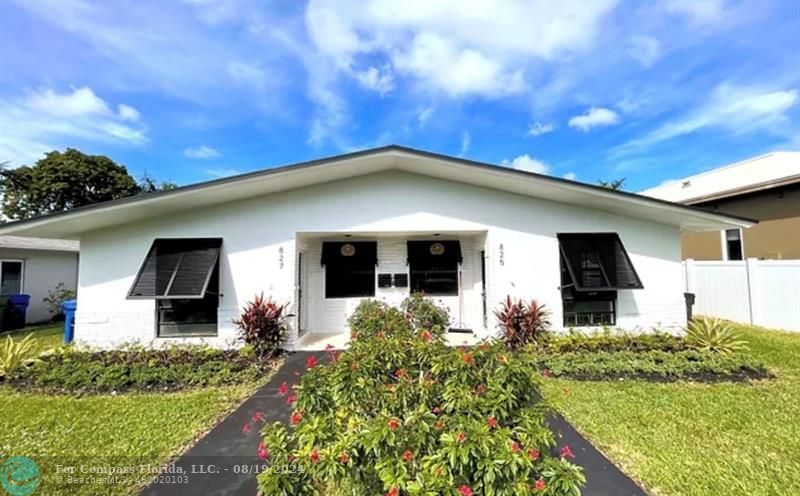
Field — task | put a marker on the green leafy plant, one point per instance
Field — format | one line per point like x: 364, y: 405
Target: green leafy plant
x: 400, y: 413
x: 56, y: 297
x: 15, y: 355
x: 714, y: 335
x: 263, y: 325
x: 609, y: 340
x: 522, y: 322
x: 423, y: 313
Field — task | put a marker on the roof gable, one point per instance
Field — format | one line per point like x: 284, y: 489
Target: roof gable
x: 73, y: 223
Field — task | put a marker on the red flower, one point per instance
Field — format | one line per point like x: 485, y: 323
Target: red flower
x: 291, y: 399
x: 533, y: 454
x: 258, y: 416
x: 246, y: 428
x: 402, y: 373
x: 408, y: 455
x: 566, y: 452
x: 283, y: 389
x: 539, y: 485
x: 467, y: 358
x: 297, y: 417
x: 465, y: 491
x: 393, y: 491
x: 492, y: 422
x: 436, y: 410
x: 426, y: 336
x: 263, y: 452
x: 311, y: 362
x: 515, y: 447
x: 344, y: 458
x: 480, y: 389
x: 393, y: 424
x: 461, y: 437
x: 314, y: 456
x: 546, y: 372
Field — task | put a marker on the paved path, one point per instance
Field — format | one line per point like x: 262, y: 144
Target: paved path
x: 211, y: 465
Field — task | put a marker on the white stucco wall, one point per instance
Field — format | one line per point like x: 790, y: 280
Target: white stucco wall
x: 258, y: 252
x: 43, y: 270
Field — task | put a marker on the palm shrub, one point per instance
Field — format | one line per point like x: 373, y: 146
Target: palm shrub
x: 522, y: 322
x: 400, y: 413
x: 714, y: 335
x: 423, y: 313
x: 263, y: 325
x: 16, y: 354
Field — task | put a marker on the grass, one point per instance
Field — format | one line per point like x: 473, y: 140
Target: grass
x: 696, y: 439
x: 120, y: 430
x: 45, y: 336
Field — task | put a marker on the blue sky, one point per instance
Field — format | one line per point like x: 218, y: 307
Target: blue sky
x: 194, y: 90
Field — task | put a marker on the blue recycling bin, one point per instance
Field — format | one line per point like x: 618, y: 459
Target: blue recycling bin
x: 16, y: 311
x: 69, y: 307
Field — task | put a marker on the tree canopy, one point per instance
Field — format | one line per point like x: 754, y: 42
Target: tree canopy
x: 65, y: 180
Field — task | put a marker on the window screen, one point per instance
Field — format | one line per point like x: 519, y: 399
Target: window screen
x: 433, y: 267
x: 349, y: 268
x: 177, y: 269
x: 733, y: 243
x: 597, y: 262
x: 11, y: 277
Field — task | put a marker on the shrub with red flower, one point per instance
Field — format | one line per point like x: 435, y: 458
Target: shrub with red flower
x: 283, y: 389
x: 311, y: 362
x: 262, y: 451
x: 428, y: 435
x: 566, y: 452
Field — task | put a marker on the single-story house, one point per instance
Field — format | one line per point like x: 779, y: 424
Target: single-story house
x: 177, y: 266
x: 37, y: 266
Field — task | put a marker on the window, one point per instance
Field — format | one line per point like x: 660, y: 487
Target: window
x: 732, y: 239
x: 433, y: 267
x: 593, y: 267
x: 11, y: 276
x: 182, y: 275
x: 349, y: 268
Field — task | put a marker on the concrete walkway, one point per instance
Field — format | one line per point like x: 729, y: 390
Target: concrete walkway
x: 218, y: 464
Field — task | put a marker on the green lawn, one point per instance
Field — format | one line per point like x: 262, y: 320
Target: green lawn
x: 46, y: 336
x: 699, y: 439
x: 145, y: 428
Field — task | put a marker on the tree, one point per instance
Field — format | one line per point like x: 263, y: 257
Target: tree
x: 65, y: 180
x: 148, y: 184
x: 616, y: 184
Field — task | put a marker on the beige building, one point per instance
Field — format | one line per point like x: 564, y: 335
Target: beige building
x: 765, y: 188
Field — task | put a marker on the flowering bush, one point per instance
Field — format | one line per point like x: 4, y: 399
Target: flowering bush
x: 400, y: 413
x: 423, y: 313
x: 263, y: 326
x: 522, y: 322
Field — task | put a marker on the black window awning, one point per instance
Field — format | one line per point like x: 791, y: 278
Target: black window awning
x: 177, y: 269
x: 350, y: 253
x: 446, y: 252
x: 598, y: 262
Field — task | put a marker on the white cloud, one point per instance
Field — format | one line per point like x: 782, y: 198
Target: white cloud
x: 380, y: 81
x: 537, y: 128
x: 466, y: 142
x: 594, y: 117
x: 571, y: 176
x: 128, y: 113
x: 201, y: 152
x: 45, y: 120
x: 451, y: 47
x: 644, y: 49
x: 424, y: 115
x: 698, y: 11
x: 528, y: 164
x: 737, y: 110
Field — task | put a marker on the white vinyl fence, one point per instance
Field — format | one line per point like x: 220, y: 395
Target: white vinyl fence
x: 759, y: 292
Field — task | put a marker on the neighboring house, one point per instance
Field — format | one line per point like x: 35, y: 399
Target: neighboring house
x: 764, y: 188
x: 178, y: 266
x: 35, y: 266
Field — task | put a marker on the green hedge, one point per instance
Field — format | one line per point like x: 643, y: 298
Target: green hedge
x: 138, y: 369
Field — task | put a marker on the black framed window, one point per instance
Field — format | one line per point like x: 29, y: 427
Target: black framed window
x: 593, y: 267
x: 11, y: 276
x: 349, y: 268
x: 182, y: 275
x: 733, y: 244
x: 433, y: 267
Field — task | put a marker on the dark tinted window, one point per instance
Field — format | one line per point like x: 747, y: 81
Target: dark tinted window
x: 349, y: 268
x: 433, y: 267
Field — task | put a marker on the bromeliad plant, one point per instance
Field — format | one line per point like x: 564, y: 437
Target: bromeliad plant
x: 523, y: 322
x: 400, y: 413
x: 263, y: 326
x: 714, y: 335
x: 15, y: 355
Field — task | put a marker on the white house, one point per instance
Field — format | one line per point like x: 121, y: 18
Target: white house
x: 177, y: 266
x: 35, y: 267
